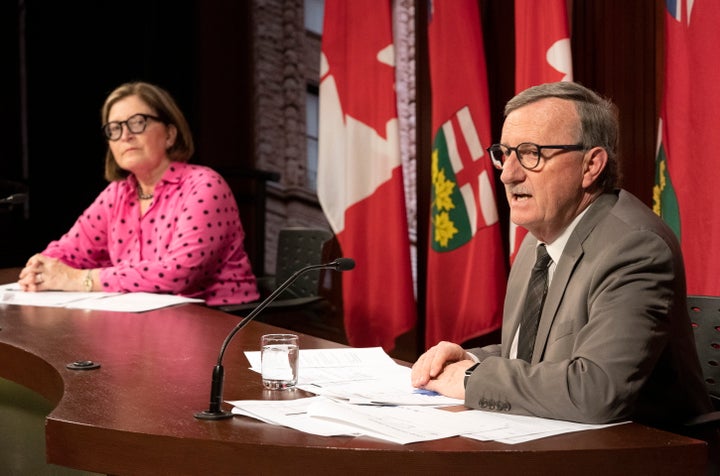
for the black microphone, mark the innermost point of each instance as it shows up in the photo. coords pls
(215, 412)
(14, 199)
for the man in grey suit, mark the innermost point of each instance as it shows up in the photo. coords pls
(614, 340)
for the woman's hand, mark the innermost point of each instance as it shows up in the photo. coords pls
(44, 274)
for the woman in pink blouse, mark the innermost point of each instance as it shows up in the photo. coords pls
(161, 225)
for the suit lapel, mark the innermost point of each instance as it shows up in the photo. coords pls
(571, 256)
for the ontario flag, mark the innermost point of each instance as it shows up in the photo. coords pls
(466, 263)
(360, 181)
(542, 55)
(687, 172)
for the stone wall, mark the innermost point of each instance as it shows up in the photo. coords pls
(287, 62)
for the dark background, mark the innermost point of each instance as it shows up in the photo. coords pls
(61, 59)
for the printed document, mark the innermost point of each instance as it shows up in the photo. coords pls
(362, 391)
(98, 301)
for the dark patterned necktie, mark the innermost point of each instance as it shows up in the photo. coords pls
(537, 289)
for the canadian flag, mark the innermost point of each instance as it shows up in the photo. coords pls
(360, 180)
(542, 55)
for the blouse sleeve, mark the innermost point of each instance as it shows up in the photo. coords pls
(85, 244)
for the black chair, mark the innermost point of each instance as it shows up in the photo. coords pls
(705, 318)
(311, 304)
(249, 187)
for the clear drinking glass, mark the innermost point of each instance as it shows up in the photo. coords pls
(279, 356)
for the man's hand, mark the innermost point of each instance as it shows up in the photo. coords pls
(442, 369)
(451, 381)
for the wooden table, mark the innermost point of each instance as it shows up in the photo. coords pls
(135, 414)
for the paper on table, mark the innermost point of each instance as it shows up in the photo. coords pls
(321, 366)
(391, 387)
(128, 302)
(403, 415)
(342, 357)
(132, 302)
(325, 417)
(513, 429)
(12, 294)
(293, 414)
(399, 424)
(359, 375)
(403, 424)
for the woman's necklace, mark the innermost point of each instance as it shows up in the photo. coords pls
(143, 196)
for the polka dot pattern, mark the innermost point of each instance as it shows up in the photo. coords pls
(189, 242)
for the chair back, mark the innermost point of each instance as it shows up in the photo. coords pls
(705, 318)
(299, 247)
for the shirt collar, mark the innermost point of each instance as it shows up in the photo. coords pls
(172, 174)
(556, 248)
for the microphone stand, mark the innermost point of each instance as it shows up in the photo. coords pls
(215, 412)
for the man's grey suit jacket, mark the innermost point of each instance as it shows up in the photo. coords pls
(614, 340)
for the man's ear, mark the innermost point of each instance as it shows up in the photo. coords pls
(594, 163)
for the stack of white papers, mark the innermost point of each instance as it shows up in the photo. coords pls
(359, 376)
(365, 392)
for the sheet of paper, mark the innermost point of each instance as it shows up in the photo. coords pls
(513, 429)
(126, 302)
(343, 357)
(293, 414)
(398, 424)
(325, 417)
(402, 424)
(12, 294)
(342, 365)
(390, 387)
(359, 375)
(132, 302)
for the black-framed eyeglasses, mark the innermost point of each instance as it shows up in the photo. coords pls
(135, 124)
(528, 153)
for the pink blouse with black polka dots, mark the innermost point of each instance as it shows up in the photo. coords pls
(189, 242)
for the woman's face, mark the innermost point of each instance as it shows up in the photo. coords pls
(143, 152)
